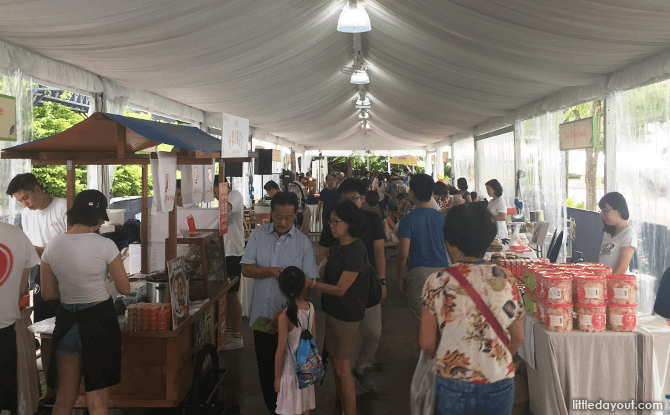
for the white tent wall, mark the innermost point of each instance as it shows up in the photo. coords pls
(15, 83)
(640, 127)
(463, 163)
(543, 163)
(494, 158)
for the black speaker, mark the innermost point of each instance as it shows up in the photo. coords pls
(233, 169)
(263, 164)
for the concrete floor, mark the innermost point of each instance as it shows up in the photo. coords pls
(392, 373)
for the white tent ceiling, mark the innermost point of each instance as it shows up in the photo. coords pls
(438, 67)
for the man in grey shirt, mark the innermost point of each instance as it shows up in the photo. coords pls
(270, 249)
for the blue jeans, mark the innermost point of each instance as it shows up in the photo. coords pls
(71, 343)
(455, 397)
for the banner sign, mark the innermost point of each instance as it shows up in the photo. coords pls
(209, 171)
(577, 134)
(223, 208)
(234, 137)
(7, 118)
(163, 171)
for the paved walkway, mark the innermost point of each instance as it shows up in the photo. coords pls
(392, 373)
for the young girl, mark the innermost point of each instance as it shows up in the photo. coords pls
(290, 399)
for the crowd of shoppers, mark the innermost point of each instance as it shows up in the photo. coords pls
(443, 233)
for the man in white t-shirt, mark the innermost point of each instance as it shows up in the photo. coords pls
(43, 218)
(234, 243)
(17, 256)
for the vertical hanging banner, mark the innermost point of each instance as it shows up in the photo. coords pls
(234, 137)
(8, 118)
(223, 208)
(187, 185)
(164, 181)
(209, 172)
(198, 183)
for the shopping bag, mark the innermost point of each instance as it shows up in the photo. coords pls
(422, 390)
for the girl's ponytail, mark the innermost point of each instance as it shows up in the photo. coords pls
(292, 310)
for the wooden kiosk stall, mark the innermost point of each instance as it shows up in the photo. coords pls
(158, 367)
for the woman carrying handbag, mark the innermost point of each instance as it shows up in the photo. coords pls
(471, 320)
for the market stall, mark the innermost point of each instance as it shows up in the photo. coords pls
(156, 355)
(585, 341)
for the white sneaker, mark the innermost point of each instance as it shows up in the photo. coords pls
(233, 343)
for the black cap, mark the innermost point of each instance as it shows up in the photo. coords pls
(92, 198)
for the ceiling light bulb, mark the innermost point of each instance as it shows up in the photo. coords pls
(353, 19)
(365, 125)
(360, 77)
(363, 103)
(363, 116)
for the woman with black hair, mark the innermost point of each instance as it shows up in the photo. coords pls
(472, 344)
(345, 289)
(298, 315)
(87, 340)
(462, 184)
(620, 240)
(497, 206)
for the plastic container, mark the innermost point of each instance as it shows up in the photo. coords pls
(528, 299)
(557, 288)
(591, 317)
(558, 317)
(116, 216)
(622, 289)
(599, 270)
(590, 289)
(621, 317)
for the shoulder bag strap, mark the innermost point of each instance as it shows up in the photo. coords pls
(486, 312)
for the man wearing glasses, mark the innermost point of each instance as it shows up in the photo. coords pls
(270, 249)
(370, 329)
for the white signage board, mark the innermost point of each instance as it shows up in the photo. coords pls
(234, 137)
(577, 134)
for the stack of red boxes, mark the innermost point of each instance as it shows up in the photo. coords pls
(144, 317)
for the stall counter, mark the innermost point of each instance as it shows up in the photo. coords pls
(157, 366)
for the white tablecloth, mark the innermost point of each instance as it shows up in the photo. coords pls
(614, 367)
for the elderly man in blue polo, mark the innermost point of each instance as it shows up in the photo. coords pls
(270, 249)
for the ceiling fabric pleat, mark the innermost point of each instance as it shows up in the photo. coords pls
(439, 70)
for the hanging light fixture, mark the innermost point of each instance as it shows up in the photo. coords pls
(363, 103)
(353, 19)
(360, 77)
(363, 115)
(365, 125)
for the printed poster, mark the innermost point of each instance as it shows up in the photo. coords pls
(179, 295)
(8, 118)
(234, 137)
(223, 208)
(165, 181)
(209, 172)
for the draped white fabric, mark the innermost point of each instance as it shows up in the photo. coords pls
(641, 129)
(437, 68)
(18, 85)
(463, 162)
(543, 186)
(495, 160)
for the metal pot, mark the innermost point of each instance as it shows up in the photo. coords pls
(158, 287)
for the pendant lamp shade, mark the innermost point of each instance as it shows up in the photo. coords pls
(353, 19)
(363, 103)
(360, 77)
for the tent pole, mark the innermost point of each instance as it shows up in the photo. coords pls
(71, 188)
(145, 218)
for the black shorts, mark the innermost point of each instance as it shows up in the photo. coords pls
(234, 269)
(8, 385)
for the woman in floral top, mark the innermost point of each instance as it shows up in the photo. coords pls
(475, 373)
